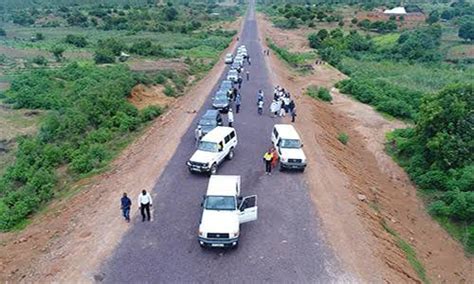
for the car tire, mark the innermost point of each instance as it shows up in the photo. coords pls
(281, 168)
(302, 170)
(230, 156)
(213, 170)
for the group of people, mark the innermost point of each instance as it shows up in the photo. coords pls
(144, 203)
(282, 103)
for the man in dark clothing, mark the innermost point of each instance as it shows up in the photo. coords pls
(239, 81)
(293, 114)
(267, 158)
(291, 106)
(248, 60)
(126, 204)
(238, 101)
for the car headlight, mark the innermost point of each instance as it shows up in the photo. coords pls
(235, 235)
(201, 233)
(283, 159)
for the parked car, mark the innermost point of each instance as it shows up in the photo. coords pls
(210, 120)
(226, 86)
(236, 66)
(213, 149)
(223, 210)
(229, 58)
(220, 101)
(233, 75)
(289, 147)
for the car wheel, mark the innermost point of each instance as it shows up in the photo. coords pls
(213, 170)
(281, 168)
(230, 156)
(302, 170)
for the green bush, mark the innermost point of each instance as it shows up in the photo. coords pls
(3, 32)
(169, 91)
(343, 138)
(150, 113)
(104, 56)
(40, 60)
(320, 93)
(76, 40)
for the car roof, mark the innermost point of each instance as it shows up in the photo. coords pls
(229, 82)
(232, 71)
(220, 93)
(211, 113)
(217, 134)
(287, 131)
(229, 54)
(221, 185)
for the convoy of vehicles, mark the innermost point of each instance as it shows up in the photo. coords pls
(213, 149)
(223, 210)
(289, 147)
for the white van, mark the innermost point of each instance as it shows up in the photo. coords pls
(213, 148)
(223, 212)
(288, 144)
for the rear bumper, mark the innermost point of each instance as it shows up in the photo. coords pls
(218, 242)
(295, 166)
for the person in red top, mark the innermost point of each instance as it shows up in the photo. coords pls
(275, 157)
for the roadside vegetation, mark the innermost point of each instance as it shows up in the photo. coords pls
(73, 64)
(417, 67)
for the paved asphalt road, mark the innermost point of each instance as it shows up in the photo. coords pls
(283, 245)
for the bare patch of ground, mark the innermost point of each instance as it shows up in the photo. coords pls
(74, 235)
(145, 65)
(143, 96)
(356, 187)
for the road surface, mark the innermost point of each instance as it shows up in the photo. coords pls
(284, 245)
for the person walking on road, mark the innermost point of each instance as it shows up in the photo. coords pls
(238, 101)
(239, 81)
(293, 114)
(198, 135)
(145, 202)
(230, 117)
(248, 74)
(248, 60)
(126, 203)
(260, 107)
(267, 158)
(275, 157)
(260, 96)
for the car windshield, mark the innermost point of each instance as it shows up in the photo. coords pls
(220, 203)
(233, 73)
(207, 122)
(226, 84)
(290, 143)
(221, 99)
(207, 146)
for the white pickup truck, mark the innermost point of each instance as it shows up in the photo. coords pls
(223, 212)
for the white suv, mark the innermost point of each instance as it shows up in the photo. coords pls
(229, 58)
(288, 144)
(214, 148)
(223, 212)
(233, 75)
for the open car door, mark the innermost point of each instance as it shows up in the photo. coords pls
(248, 209)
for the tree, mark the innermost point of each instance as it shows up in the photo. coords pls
(39, 36)
(3, 32)
(76, 40)
(466, 30)
(58, 51)
(433, 17)
(171, 13)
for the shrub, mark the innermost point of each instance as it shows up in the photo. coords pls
(150, 113)
(3, 32)
(76, 40)
(320, 93)
(169, 91)
(343, 138)
(104, 56)
(39, 36)
(58, 51)
(40, 60)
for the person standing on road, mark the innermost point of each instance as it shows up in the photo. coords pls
(248, 60)
(230, 117)
(267, 158)
(239, 81)
(126, 203)
(248, 74)
(260, 107)
(293, 114)
(275, 157)
(198, 135)
(145, 202)
(237, 103)
(260, 96)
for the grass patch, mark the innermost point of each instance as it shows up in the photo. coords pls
(386, 41)
(409, 252)
(294, 59)
(343, 138)
(319, 93)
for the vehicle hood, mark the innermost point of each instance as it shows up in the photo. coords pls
(223, 221)
(292, 153)
(207, 128)
(202, 156)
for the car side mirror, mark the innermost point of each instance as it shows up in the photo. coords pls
(302, 145)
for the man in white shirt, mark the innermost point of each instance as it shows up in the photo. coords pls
(144, 201)
(230, 117)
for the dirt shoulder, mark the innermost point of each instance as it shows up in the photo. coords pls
(357, 187)
(74, 235)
